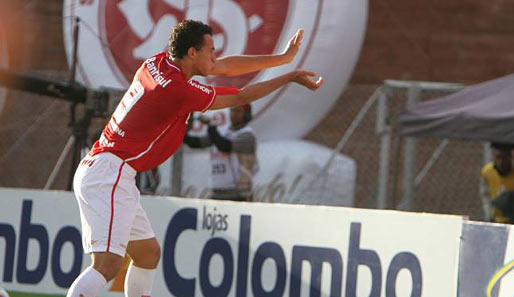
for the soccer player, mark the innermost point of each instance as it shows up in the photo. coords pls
(145, 129)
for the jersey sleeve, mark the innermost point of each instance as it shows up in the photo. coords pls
(226, 91)
(195, 96)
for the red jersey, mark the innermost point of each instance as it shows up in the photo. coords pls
(150, 121)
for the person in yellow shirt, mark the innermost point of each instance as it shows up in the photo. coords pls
(498, 177)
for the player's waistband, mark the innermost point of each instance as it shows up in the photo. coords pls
(111, 158)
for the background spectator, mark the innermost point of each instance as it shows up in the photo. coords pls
(498, 177)
(233, 155)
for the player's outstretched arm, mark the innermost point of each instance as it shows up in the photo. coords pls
(259, 90)
(237, 65)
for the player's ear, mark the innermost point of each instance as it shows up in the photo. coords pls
(191, 52)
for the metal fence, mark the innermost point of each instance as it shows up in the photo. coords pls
(395, 172)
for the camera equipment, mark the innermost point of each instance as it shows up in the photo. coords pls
(94, 101)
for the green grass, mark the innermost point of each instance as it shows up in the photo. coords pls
(21, 294)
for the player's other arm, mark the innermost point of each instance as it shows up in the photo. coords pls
(196, 142)
(237, 65)
(259, 90)
(222, 143)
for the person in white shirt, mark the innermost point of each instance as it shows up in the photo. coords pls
(233, 155)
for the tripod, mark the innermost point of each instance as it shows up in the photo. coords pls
(95, 102)
(77, 143)
(96, 105)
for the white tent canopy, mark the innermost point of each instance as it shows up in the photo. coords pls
(482, 112)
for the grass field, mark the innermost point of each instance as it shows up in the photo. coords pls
(20, 294)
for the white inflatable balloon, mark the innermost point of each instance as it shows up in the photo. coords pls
(288, 173)
(115, 37)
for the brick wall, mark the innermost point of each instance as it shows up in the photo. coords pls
(437, 40)
(441, 40)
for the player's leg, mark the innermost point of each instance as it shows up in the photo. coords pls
(145, 256)
(108, 264)
(103, 188)
(145, 252)
(105, 266)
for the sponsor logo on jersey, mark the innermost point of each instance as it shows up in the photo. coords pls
(200, 87)
(154, 72)
(106, 143)
(116, 129)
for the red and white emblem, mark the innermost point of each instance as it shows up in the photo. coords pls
(117, 35)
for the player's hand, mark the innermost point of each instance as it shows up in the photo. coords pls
(293, 46)
(204, 120)
(305, 78)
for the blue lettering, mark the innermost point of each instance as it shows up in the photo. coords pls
(273, 251)
(410, 262)
(216, 246)
(214, 221)
(7, 232)
(187, 219)
(316, 256)
(38, 233)
(72, 235)
(183, 220)
(358, 256)
(243, 251)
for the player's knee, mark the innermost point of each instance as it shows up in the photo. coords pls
(151, 256)
(108, 266)
(109, 270)
(154, 254)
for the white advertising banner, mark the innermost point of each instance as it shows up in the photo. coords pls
(212, 248)
(116, 36)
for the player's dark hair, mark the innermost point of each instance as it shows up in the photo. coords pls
(186, 34)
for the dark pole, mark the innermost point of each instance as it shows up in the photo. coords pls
(79, 132)
(73, 69)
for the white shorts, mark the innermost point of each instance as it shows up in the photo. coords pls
(110, 210)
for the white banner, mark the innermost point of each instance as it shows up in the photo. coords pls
(215, 248)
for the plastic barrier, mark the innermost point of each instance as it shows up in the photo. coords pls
(486, 260)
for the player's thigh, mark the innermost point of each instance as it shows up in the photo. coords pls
(108, 204)
(141, 227)
(143, 247)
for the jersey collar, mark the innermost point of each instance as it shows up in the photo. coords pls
(175, 66)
